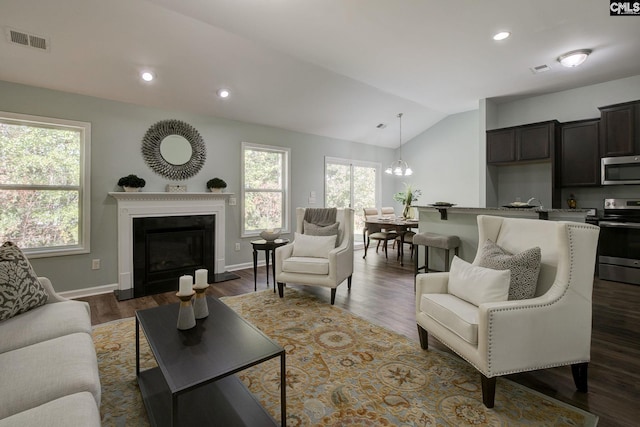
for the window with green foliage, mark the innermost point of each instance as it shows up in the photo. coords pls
(265, 188)
(44, 184)
(354, 184)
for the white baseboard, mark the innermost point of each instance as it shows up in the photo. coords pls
(87, 292)
(104, 289)
(244, 265)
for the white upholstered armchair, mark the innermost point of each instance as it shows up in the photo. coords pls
(329, 269)
(552, 328)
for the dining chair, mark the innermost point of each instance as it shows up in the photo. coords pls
(408, 240)
(376, 232)
(388, 212)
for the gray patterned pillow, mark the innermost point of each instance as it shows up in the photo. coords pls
(524, 267)
(20, 289)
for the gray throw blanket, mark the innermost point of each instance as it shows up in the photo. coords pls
(321, 216)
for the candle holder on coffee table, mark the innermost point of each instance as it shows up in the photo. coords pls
(186, 316)
(200, 307)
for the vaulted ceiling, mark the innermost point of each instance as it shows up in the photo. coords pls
(335, 68)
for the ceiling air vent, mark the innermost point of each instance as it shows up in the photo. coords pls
(540, 69)
(24, 38)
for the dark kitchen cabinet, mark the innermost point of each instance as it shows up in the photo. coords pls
(579, 154)
(620, 129)
(534, 142)
(527, 143)
(501, 147)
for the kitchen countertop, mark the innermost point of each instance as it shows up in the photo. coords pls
(541, 213)
(462, 221)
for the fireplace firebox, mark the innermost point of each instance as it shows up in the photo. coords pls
(167, 247)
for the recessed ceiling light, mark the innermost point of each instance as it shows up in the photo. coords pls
(574, 58)
(223, 93)
(501, 35)
(147, 76)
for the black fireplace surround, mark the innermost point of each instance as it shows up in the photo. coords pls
(167, 247)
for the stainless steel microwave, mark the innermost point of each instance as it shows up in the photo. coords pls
(620, 170)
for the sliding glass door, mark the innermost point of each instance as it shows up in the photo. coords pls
(351, 183)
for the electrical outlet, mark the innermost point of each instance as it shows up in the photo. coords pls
(232, 201)
(95, 264)
(237, 246)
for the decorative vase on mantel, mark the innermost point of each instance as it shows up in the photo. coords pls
(131, 189)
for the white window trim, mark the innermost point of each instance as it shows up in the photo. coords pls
(84, 243)
(287, 185)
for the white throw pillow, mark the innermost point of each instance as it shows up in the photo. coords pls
(305, 245)
(478, 285)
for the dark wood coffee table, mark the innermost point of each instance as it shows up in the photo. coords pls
(194, 384)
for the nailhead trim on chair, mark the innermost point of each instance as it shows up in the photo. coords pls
(513, 371)
(570, 229)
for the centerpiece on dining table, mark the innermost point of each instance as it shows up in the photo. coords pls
(406, 197)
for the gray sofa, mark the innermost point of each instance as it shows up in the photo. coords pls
(48, 366)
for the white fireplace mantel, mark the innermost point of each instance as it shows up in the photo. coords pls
(132, 205)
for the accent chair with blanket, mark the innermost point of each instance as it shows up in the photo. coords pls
(523, 304)
(321, 253)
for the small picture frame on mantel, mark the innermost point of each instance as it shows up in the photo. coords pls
(176, 188)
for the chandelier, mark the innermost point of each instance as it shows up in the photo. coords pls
(399, 167)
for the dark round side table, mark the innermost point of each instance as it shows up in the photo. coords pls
(266, 246)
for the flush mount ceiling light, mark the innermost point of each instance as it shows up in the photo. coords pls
(399, 167)
(574, 58)
(501, 35)
(223, 93)
(147, 76)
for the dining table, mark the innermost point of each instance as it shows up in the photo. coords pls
(398, 224)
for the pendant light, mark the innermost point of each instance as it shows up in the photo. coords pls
(399, 167)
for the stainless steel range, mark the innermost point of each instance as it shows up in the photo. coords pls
(619, 246)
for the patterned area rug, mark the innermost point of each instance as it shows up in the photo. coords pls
(341, 370)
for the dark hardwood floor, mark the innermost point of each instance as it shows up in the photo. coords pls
(382, 292)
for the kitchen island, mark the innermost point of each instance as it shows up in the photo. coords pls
(462, 222)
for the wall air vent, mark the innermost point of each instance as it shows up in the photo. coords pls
(24, 38)
(540, 69)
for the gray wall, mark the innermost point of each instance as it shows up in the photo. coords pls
(568, 105)
(117, 131)
(445, 161)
